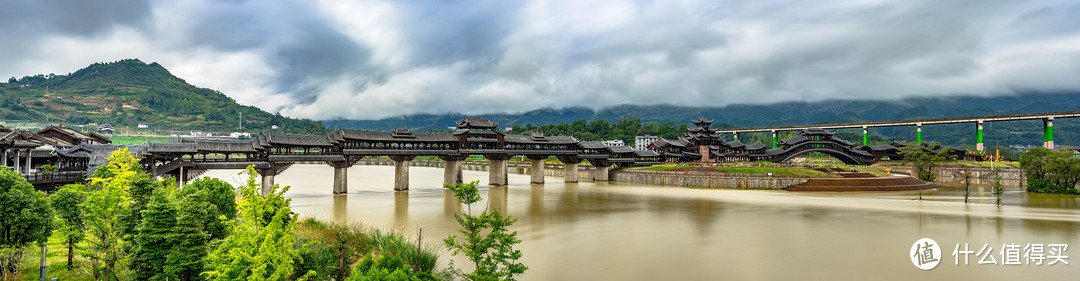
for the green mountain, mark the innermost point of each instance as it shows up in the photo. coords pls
(1066, 131)
(129, 92)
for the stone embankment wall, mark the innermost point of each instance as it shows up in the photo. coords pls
(979, 175)
(699, 179)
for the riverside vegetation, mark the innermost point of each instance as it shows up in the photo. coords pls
(1051, 171)
(125, 225)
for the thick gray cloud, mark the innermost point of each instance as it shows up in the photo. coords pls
(379, 58)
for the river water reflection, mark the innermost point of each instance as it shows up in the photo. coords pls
(618, 231)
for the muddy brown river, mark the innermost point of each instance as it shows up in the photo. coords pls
(621, 231)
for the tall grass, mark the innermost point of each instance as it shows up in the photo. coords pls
(341, 246)
(420, 256)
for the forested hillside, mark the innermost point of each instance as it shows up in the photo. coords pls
(1066, 131)
(129, 92)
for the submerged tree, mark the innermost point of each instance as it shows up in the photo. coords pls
(924, 157)
(260, 245)
(1051, 171)
(999, 188)
(487, 241)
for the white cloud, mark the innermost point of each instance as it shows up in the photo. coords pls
(377, 58)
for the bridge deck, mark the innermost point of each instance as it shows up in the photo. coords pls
(994, 118)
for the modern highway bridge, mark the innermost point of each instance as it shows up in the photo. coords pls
(1047, 118)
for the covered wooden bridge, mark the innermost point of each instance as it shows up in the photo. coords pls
(273, 153)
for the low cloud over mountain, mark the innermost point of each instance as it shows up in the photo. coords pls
(373, 58)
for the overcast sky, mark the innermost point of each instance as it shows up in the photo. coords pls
(328, 59)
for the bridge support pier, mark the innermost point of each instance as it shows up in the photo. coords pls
(452, 172)
(775, 139)
(918, 133)
(571, 173)
(866, 136)
(602, 173)
(497, 171)
(979, 137)
(401, 172)
(267, 183)
(268, 176)
(341, 180)
(1048, 133)
(536, 171)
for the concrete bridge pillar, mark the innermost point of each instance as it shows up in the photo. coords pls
(452, 172)
(268, 176)
(536, 171)
(571, 173)
(497, 171)
(1048, 133)
(401, 172)
(602, 173)
(775, 139)
(979, 137)
(341, 180)
(866, 135)
(267, 183)
(918, 133)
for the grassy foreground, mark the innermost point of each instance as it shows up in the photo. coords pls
(339, 247)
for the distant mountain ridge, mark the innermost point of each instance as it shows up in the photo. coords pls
(803, 113)
(130, 92)
(790, 113)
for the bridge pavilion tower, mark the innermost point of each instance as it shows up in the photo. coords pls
(480, 136)
(702, 137)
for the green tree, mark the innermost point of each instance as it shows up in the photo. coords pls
(151, 244)
(387, 268)
(487, 240)
(189, 237)
(1050, 171)
(140, 192)
(997, 188)
(924, 158)
(25, 218)
(260, 241)
(103, 207)
(222, 202)
(72, 220)
(1034, 162)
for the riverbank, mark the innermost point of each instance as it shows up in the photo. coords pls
(890, 183)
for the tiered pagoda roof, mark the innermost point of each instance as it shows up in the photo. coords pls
(477, 123)
(396, 136)
(538, 138)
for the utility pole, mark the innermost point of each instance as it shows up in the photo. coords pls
(241, 120)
